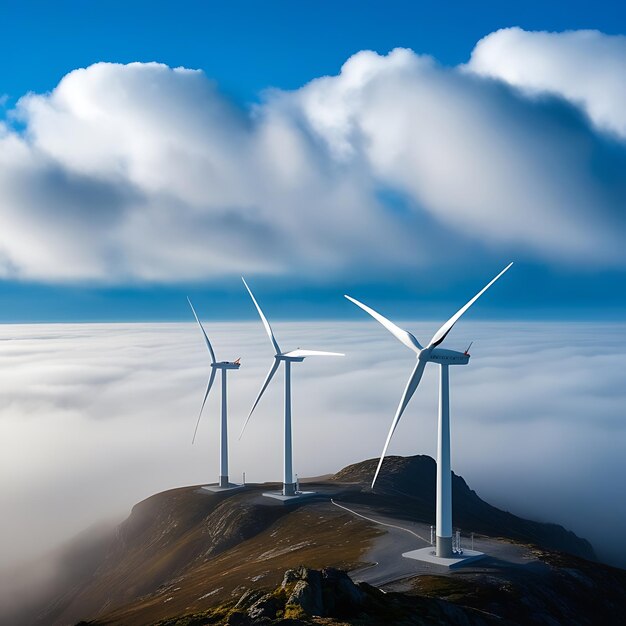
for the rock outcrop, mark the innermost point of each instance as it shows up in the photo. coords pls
(329, 596)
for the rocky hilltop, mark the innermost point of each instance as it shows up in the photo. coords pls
(188, 556)
(330, 597)
(413, 480)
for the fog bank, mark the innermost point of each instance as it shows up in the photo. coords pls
(94, 418)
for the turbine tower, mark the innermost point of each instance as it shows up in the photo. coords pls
(295, 356)
(223, 366)
(445, 358)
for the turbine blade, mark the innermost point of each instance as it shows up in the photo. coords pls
(441, 334)
(268, 378)
(300, 352)
(206, 395)
(411, 386)
(268, 328)
(399, 333)
(206, 339)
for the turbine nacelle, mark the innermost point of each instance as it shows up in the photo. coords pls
(226, 365)
(448, 357)
(298, 355)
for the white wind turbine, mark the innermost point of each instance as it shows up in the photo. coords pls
(444, 358)
(295, 356)
(223, 366)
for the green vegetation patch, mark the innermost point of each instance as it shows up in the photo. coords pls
(216, 615)
(446, 587)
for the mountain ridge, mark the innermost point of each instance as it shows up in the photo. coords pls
(414, 477)
(186, 549)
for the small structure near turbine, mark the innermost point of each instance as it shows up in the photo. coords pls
(444, 553)
(289, 492)
(223, 366)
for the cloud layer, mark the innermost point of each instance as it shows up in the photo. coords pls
(94, 418)
(144, 172)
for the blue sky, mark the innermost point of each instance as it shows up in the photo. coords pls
(248, 48)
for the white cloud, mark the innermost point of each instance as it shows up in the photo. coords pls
(585, 67)
(480, 159)
(140, 171)
(93, 418)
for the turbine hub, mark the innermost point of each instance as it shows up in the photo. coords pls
(293, 359)
(424, 354)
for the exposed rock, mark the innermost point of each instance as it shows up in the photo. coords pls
(265, 607)
(305, 588)
(326, 593)
(308, 597)
(248, 598)
(330, 597)
(341, 595)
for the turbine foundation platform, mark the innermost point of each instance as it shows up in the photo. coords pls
(429, 555)
(216, 488)
(297, 497)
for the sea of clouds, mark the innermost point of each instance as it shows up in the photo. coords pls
(94, 418)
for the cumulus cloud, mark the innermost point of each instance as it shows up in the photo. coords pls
(94, 418)
(473, 155)
(585, 67)
(144, 172)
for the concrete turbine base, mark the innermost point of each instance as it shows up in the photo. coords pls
(296, 497)
(289, 489)
(429, 555)
(443, 547)
(218, 488)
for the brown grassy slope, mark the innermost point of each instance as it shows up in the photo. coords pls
(163, 535)
(184, 550)
(163, 565)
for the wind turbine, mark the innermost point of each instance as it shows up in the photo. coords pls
(223, 366)
(295, 356)
(445, 358)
